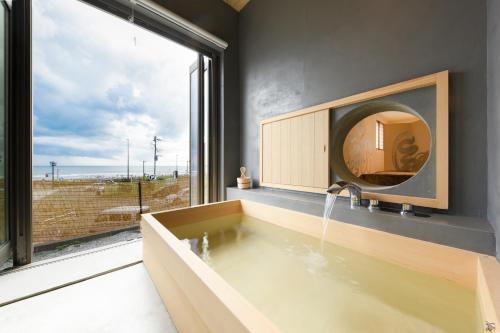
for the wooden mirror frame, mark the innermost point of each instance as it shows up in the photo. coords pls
(440, 81)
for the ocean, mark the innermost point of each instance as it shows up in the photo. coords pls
(86, 171)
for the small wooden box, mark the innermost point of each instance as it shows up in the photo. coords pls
(244, 182)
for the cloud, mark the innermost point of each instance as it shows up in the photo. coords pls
(94, 87)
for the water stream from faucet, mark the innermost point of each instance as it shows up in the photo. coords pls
(327, 212)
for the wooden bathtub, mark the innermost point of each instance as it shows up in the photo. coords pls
(199, 300)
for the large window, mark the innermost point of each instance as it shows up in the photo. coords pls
(121, 122)
(379, 135)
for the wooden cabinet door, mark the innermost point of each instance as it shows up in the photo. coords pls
(295, 152)
(286, 147)
(276, 152)
(266, 153)
(321, 148)
(295, 166)
(306, 150)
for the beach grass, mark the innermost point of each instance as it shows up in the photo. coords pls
(70, 209)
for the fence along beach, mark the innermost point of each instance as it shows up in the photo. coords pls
(88, 200)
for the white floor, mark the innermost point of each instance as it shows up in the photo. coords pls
(53, 273)
(122, 300)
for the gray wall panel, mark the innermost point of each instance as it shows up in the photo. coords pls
(295, 54)
(494, 117)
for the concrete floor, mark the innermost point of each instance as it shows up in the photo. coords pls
(122, 299)
(85, 245)
(43, 253)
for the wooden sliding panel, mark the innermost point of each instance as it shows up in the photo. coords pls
(306, 150)
(295, 166)
(295, 152)
(321, 148)
(266, 152)
(285, 151)
(276, 152)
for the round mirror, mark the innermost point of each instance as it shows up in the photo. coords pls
(387, 148)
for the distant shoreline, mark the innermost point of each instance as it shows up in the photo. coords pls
(74, 172)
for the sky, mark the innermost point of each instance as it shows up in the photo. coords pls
(98, 80)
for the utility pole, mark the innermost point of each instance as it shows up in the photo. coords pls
(155, 156)
(176, 171)
(53, 165)
(143, 170)
(128, 158)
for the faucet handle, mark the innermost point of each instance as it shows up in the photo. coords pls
(374, 204)
(406, 209)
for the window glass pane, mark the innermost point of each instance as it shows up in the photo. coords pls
(206, 123)
(194, 139)
(103, 89)
(379, 135)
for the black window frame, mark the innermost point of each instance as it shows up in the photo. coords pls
(19, 164)
(6, 248)
(19, 158)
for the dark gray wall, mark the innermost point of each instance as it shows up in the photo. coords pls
(493, 36)
(299, 53)
(221, 20)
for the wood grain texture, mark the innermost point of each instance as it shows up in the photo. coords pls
(276, 152)
(306, 150)
(321, 148)
(237, 4)
(200, 300)
(442, 137)
(295, 165)
(261, 153)
(488, 289)
(285, 151)
(311, 189)
(295, 152)
(183, 314)
(267, 153)
(174, 217)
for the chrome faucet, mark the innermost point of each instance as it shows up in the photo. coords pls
(354, 191)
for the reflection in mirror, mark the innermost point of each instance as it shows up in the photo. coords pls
(387, 148)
